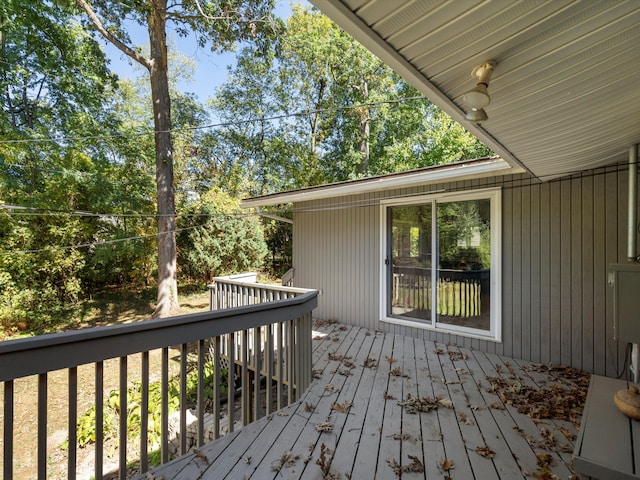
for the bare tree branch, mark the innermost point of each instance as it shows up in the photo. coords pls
(127, 50)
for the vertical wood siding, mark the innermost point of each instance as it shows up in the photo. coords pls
(558, 239)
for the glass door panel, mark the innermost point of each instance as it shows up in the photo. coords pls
(464, 263)
(410, 257)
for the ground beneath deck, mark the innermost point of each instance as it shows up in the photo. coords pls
(388, 406)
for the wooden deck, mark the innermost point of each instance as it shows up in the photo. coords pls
(351, 424)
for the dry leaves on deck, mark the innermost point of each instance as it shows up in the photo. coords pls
(324, 427)
(370, 363)
(486, 452)
(558, 401)
(342, 408)
(288, 459)
(416, 466)
(424, 404)
(397, 372)
(324, 462)
(446, 465)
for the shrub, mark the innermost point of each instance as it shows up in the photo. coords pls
(217, 237)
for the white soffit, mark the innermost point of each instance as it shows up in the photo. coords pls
(480, 168)
(566, 89)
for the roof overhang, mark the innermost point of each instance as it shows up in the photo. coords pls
(565, 92)
(471, 169)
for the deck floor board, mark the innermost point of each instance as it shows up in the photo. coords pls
(361, 379)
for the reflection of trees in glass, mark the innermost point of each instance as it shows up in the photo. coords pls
(464, 234)
(411, 235)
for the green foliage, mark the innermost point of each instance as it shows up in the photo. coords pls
(218, 238)
(354, 118)
(111, 408)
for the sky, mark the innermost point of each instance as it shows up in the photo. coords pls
(211, 68)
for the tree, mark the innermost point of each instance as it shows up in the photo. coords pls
(220, 23)
(337, 113)
(54, 85)
(219, 238)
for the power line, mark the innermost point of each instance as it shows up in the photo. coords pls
(37, 212)
(212, 125)
(97, 243)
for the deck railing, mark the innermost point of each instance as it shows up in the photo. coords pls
(267, 332)
(459, 292)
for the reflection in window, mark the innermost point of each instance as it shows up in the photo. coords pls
(456, 235)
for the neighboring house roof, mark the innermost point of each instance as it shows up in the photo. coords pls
(565, 93)
(465, 170)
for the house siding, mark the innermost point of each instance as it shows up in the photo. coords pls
(558, 239)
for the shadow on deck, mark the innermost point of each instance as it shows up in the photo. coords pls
(388, 406)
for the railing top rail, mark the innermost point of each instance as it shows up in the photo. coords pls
(276, 288)
(44, 353)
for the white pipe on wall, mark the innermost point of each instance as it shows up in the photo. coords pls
(632, 225)
(632, 241)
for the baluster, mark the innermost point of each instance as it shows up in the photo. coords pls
(122, 450)
(268, 358)
(201, 399)
(99, 419)
(257, 352)
(144, 412)
(42, 425)
(280, 364)
(73, 423)
(216, 387)
(7, 467)
(290, 370)
(164, 407)
(230, 382)
(183, 398)
(246, 384)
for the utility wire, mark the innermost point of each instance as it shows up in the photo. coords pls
(212, 125)
(37, 212)
(507, 185)
(97, 243)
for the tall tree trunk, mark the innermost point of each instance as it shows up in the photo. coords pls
(158, 71)
(167, 282)
(365, 127)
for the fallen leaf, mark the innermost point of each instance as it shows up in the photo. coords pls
(485, 452)
(324, 427)
(288, 459)
(397, 372)
(342, 408)
(465, 419)
(370, 363)
(446, 465)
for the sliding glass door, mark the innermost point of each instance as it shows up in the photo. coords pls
(440, 263)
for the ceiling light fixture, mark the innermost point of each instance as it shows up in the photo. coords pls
(477, 98)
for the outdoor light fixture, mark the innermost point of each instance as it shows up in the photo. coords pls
(477, 98)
